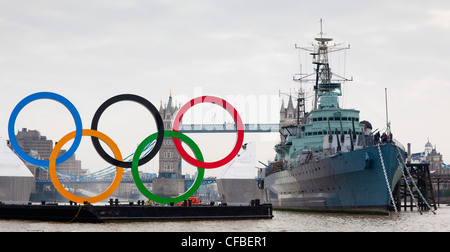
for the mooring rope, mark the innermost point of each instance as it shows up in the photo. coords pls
(79, 210)
(387, 180)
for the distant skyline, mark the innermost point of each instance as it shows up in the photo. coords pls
(89, 51)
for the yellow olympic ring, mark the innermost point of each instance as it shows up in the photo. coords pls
(57, 183)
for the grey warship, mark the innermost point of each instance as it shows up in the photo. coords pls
(328, 159)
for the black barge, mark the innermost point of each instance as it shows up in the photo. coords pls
(131, 212)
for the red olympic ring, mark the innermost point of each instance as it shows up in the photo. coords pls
(237, 119)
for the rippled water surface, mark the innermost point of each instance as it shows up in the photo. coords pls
(282, 222)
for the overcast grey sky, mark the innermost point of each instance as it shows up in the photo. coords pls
(89, 51)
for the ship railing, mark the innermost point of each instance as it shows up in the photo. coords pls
(370, 141)
(398, 144)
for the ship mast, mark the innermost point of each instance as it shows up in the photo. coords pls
(320, 59)
(323, 73)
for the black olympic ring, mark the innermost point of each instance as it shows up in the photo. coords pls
(150, 107)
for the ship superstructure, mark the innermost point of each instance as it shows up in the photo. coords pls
(327, 158)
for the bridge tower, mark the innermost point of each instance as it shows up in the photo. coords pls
(170, 181)
(169, 158)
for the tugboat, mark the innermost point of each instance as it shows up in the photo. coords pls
(329, 160)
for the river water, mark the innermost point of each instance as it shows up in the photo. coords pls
(282, 222)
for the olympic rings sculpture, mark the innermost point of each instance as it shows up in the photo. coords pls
(95, 135)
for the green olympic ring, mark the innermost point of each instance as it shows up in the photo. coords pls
(145, 191)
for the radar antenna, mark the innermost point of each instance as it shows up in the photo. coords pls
(323, 73)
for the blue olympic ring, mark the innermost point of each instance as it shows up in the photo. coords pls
(51, 96)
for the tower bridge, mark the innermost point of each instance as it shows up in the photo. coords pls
(105, 175)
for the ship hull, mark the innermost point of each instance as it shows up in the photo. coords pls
(346, 181)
